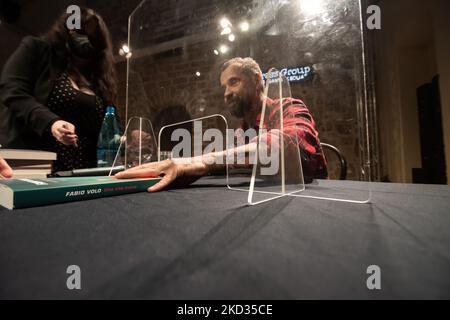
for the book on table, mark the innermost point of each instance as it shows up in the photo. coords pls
(29, 155)
(23, 193)
(30, 164)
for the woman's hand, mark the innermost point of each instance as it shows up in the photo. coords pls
(64, 132)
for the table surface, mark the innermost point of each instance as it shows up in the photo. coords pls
(204, 242)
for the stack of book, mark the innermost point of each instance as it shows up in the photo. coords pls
(29, 164)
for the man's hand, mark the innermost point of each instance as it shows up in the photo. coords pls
(169, 170)
(64, 132)
(5, 169)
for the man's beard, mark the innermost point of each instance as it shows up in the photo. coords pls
(238, 105)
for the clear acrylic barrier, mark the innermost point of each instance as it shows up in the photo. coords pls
(241, 158)
(178, 48)
(277, 170)
(137, 145)
(195, 138)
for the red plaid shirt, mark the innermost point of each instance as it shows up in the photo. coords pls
(298, 122)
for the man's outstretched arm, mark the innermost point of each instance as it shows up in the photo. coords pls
(183, 171)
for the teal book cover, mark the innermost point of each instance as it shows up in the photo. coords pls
(24, 193)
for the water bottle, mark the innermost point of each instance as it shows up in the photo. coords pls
(108, 140)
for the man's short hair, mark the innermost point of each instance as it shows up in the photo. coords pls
(249, 66)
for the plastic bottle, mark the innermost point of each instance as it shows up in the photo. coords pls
(109, 139)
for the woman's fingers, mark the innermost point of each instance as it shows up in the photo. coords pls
(69, 139)
(64, 132)
(69, 127)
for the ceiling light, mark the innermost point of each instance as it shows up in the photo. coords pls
(125, 48)
(223, 49)
(226, 30)
(244, 26)
(311, 7)
(224, 23)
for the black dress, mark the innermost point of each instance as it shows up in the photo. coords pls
(86, 113)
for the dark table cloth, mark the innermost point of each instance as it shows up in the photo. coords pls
(204, 242)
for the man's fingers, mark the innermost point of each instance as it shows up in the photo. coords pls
(139, 168)
(155, 166)
(138, 174)
(165, 181)
(166, 169)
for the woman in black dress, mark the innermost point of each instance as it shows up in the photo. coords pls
(54, 91)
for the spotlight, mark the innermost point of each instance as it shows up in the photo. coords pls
(224, 23)
(223, 49)
(125, 48)
(244, 26)
(226, 30)
(311, 7)
(231, 37)
(125, 51)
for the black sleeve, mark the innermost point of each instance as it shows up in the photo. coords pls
(17, 84)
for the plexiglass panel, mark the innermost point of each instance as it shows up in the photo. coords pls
(137, 145)
(277, 170)
(179, 47)
(193, 139)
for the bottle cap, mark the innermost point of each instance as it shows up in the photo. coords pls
(110, 109)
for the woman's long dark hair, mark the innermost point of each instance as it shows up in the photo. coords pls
(102, 69)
